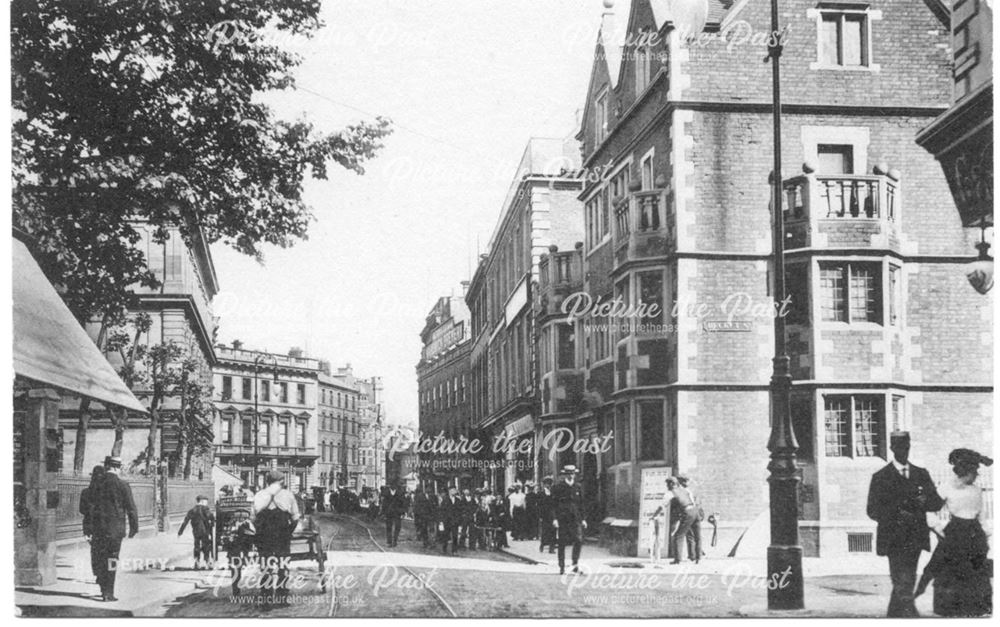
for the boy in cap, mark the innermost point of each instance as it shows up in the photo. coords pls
(202, 522)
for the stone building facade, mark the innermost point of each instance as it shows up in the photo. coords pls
(180, 312)
(266, 415)
(882, 329)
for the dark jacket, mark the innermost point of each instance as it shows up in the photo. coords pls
(483, 518)
(86, 502)
(423, 507)
(451, 512)
(111, 506)
(546, 508)
(395, 505)
(202, 521)
(567, 503)
(895, 504)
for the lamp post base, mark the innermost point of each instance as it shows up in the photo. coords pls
(784, 578)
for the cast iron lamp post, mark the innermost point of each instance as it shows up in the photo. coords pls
(256, 411)
(784, 555)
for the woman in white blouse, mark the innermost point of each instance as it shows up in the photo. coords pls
(960, 567)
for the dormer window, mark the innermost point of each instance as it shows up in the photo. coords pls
(642, 54)
(601, 117)
(844, 36)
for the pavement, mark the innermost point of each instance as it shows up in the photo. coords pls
(842, 587)
(154, 571)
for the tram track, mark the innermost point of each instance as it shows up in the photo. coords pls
(334, 601)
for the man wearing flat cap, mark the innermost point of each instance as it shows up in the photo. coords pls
(567, 503)
(111, 506)
(899, 498)
(276, 513)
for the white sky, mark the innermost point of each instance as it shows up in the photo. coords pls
(466, 84)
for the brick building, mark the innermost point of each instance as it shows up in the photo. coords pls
(541, 209)
(443, 376)
(282, 390)
(880, 323)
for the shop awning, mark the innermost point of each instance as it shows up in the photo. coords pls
(51, 347)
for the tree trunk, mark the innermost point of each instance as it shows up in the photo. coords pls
(154, 425)
(83, 422)
(182, 428)
(118, 421)
(84, 415)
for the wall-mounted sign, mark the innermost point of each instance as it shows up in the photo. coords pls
(728, 326)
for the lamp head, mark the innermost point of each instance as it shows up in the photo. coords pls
(980, 272)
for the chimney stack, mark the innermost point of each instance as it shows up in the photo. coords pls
(237, 345)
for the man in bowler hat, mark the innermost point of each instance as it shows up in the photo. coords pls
(899, 497)
(111, 505)
(567, 503)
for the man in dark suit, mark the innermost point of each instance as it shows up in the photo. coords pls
(450, 512)
(423, 511)
(465, 534)
(111, 506)
(899, 497)
(395, 504)
(567, 502)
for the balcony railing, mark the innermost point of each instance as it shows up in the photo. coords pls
(643, 224)
(842, 209)
(841, 196)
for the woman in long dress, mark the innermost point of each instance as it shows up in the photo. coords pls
(959, 566)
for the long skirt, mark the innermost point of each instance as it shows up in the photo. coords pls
(961, 570)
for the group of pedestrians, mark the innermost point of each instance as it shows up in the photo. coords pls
(551, 512)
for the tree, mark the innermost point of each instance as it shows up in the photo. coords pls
(131, 111)
(192, 438)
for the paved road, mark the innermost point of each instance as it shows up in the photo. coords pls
(412, 581)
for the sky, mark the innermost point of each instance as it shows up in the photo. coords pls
(466, 84)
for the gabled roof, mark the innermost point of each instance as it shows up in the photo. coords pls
(718, 10)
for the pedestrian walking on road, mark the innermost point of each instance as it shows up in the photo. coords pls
(422, 514)
(394, 507)
(276, 513)
(960, 566)
(546, 514)
(568, 521)
(449, 519)
(532, 495)
(111, 508)
(465, 531)
(202, 522)
(899, 497)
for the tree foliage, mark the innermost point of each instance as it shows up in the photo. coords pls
(137, 110)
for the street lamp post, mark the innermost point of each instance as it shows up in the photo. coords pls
(256, 412)
(784, 555)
